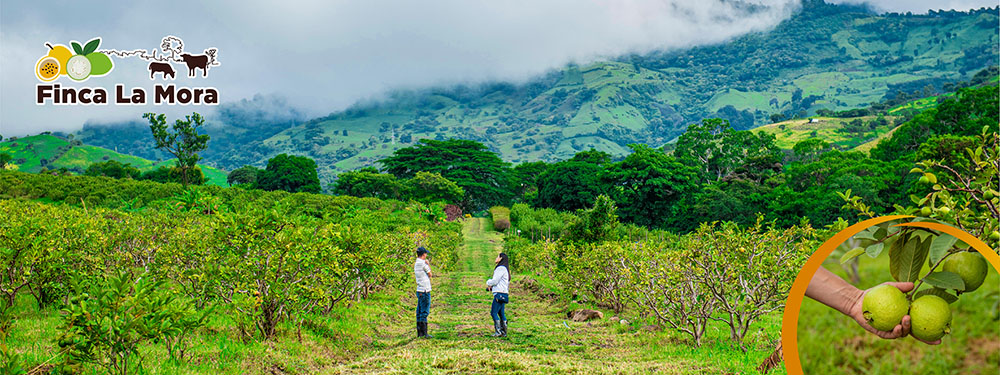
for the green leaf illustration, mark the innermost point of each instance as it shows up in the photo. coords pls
(91, 46)
(77, 48)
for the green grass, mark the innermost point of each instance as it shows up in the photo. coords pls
(831, 343)
(59, 153)
(827, 129)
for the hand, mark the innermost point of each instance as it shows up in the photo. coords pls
(489, 289)
(901, 330)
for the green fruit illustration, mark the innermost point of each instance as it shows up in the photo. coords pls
(78, 68)
(884, 307)
(100, 63)
(971, 267)
(930, 318)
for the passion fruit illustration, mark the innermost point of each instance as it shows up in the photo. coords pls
(61, 53)
(47, 68)
(930, 318)
(970, 266)
(884, 307)
(78, 68)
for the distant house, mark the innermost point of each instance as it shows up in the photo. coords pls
(813, 120)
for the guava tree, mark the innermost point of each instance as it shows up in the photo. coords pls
(183, 143)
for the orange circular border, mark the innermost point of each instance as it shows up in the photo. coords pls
(790, 321)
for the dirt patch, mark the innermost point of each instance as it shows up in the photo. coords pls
(979, 352)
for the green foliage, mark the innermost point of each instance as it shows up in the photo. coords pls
(5, 159)
(289, 173)
(106, 322)
(479, 172)
(245, 175)
(113, 169)
(596, 224)
(966, 114)
(183, 143)
(572, 184)
(501, 218)
(719, 151)
(427, 187)
(367, 182)
(648, 183)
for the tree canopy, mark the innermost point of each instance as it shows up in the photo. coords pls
(290, 173)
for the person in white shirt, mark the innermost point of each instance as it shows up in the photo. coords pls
(499, 286)
(422, 272)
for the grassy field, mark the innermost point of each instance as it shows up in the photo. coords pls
(377, 335)
(830, 343)
(788, 133)
(28, 152)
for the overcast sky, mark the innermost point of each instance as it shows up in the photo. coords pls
(326, 55)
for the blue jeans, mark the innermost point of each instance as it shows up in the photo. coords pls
(423, 306)
(496, 310)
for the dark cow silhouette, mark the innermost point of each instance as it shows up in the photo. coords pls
(196, 61)
(159, 67)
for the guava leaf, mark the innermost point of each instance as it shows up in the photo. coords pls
(940, 247)
(77, 48)
(91, 46)
(945, 280)
(866, 234)
(851, 254)
(906, 256)
(876, 249)
(948, 297)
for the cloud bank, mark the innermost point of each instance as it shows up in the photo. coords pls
(325, 55)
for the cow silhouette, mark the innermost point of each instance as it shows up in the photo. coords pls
(159, 67)
(196, 61)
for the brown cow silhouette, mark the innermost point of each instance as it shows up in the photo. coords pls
(196, 61)
(159, 67)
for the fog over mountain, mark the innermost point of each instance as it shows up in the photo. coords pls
(325, 55)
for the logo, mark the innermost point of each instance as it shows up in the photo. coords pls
(87, 60)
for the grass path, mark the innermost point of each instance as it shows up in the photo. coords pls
(540, 340)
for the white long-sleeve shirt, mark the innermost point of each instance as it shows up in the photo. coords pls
(500, 280)
(422, 271)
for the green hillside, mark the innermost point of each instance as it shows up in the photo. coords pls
(837, 131)
(33, 153)
(824, 57)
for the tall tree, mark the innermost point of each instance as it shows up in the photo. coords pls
(183, 143)
(573, 184)
(648, 183)
(478, 171)
(430, 187)
(245, 175)
(368, 182)
(290, 173)
(718, 150)
(4, 160)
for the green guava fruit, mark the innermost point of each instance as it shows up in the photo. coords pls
(926, 211)
(100, 63)
(78, 68)
(971, 267)
(930, 318)
(884, 307)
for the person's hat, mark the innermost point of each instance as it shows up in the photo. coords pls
(421, 251)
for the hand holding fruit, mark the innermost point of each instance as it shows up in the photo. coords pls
(884, 311)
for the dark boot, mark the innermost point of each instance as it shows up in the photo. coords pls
(420, 329)
(503, 329)
(426, 335)
(498, 329)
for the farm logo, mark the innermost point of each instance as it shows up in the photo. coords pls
(86, 61)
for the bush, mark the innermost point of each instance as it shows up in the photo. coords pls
(501, 218)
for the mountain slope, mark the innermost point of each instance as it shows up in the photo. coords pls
(825, 56)
(33, 153)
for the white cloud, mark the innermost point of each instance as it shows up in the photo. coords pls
(325, 55)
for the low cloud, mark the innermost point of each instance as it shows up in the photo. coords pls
(325, 55)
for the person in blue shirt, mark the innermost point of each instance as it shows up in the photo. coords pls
(499, 286)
